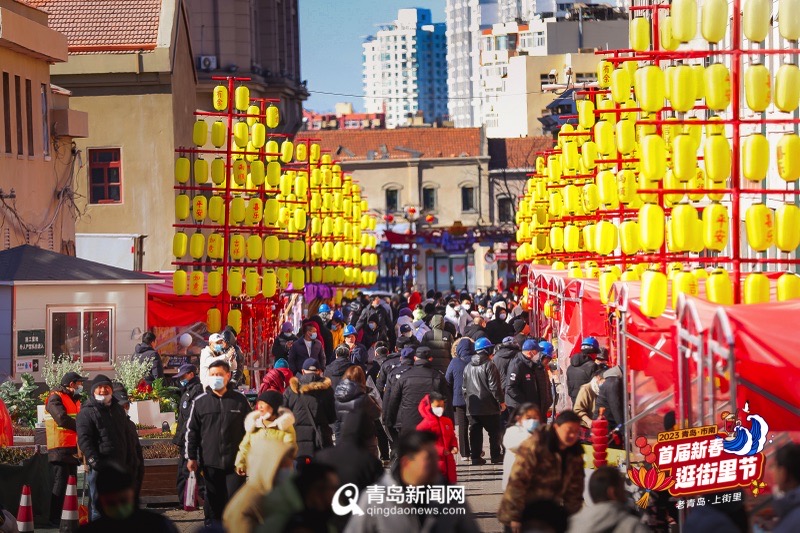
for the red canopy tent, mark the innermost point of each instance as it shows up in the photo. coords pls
(166, 309)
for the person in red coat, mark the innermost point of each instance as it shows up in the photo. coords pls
(277, 378)
(432, 410)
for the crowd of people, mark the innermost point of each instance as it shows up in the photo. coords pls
(376, 392)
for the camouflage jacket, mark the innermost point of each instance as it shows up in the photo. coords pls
(539, 474)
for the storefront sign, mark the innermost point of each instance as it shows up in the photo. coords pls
(30, 342)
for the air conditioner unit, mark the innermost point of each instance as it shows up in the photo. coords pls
(207, 62)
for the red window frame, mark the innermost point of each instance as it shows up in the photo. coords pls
(105, 159)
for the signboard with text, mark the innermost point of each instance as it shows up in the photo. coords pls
(30, 342)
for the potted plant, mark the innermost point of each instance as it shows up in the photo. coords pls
(53, 370)
(166, 397)
(160, 471)
(144, 409)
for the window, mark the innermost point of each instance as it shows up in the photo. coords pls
(105, 185)
(7, 111)
(428, 198)
(45, 122)
(538, 38)
(18, 102)
(83, 333)
(505, 209)
(392, 200)
(29, 115)
(467, 198)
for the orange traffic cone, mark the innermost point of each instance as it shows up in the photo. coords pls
(69, 515)
(25, 512)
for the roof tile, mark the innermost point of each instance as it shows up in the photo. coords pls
(517, 153)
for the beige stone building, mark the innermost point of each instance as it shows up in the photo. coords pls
(38, 166)
(438, 172)
(131, 65)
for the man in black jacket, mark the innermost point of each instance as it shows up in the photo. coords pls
(526, 380)
(521, 330)
(391, 369)
(483, 393)
(582, 366)
(498, 329)
(310, 398)
(325, 333)
(338, 366)
(284, 341)
(377, 314)
(503, 355)
(308, 346)
(146, 351)
(136, 459)
(191, 388)
(103, 436)
(216, 427)
(411, 386)
(440, 343)
(476, 330)
(610, 397)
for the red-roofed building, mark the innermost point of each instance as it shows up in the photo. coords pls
(131, 65)
(343, 119)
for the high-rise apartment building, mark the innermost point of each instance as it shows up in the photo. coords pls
(405, 69)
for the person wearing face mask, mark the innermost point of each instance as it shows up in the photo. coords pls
(526, 381)
(103, 438)
(215, 351)
(270, 421)
(464, 316)
(117, 506)
(283, 342)
(432, 410)
(191, 388)
(337, 329)
(525, 421)
(405, 317)
(62, 408)
(216, 427)
(587, 398)
(305, 348)
(322, 319)
(498, 329)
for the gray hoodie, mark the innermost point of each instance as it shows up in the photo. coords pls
(602, 517)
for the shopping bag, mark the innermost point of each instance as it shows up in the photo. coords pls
(190, 493)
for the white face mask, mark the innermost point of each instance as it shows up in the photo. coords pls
(103, 398)
(595, 386)
(437, 411)
(217, 382)
(466, 306)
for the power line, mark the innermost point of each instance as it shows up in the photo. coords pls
(330, 93)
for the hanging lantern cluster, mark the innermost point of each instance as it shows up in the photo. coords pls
(260, 214)
(646, 179)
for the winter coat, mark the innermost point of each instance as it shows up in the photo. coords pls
(607, 517)
(353, 398)
(412, 385)
(208, 356)
(513, 437)
(542, 472)
(482, 388)
(337, 336)
(56, 409)
(103, 433)
(420, 329)
(336, 370)
(192, 390)
(276, 379)
(788, 511)
(379, 315)
(389, 364)
(455, 370)
(474, 332)
(243, 512)
(280, 348)
(280, 505)
(310, 398)
(325, 336)
(522, 384)
(350, 457)
(135, 460)
(579, 373)
(407, 342)
(497, 330)
(451, 317)
(584, 404)
(391, 379)
(145, 352)
(610, 397)
(298, 353)
(258, 431)
(446, 441)
(360, 355)
(389, 519)
(400, 322)
(440, 343)
(503, 355)
(216, 427)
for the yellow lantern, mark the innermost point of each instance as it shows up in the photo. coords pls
(218, 171)
(788, 156)
(717, 79)
(182, 168)
(589, 237)
(214, 283)
(271, 149)
(237, 246)
(273, 173)
(787, 227)
(298, 250)
(586, 117)
(698, 72)
(684, 158)
(714, 20)
(666, 38)
(603, 137)
(572, 201)
(199, 208)
(271, 211)
(591, 198)
(269, 283)
(683, 14)
(556, 204)
(241, 134)
(639, 34)
(620, 85)
(196, 282)
(788, 287)
(298, 279)
(626, 182)
(607, 187)
(717, 158)
(239, 171)
(254, 247)
(557, 238)
(179, 281)
(756, 22)
(182, 206)
(757, 87)
(241, 98)
(572, 238)
(684, 223)
(252, 282)
(179, 243)
(200, 132)
(287, 149)
(197, 245)
(253, 111)
(671, 182)
(787, 87)
(220, 98)
(759, 225)
(697, 182)
(756, 288)
(219, 133)
(683, 283)
(216, 246)
(234, 282)
(605, 238)
(588, 155)
(200, 170)
(235, 319)
(237, 210)
(258, 133)
(682, 88)
(214, 319)
(654, 293)
(649, 88)
(710, 184)
(284, 249)
(574, 271)
(604, 70)
(301, 152)
(607, 279)
(755, 157)
(651, 227)
(630, 274)
(629, 237)
(716, 225)
(653, 158)
(273, 117)
(626, 136)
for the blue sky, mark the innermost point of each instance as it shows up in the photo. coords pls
(331, 33)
